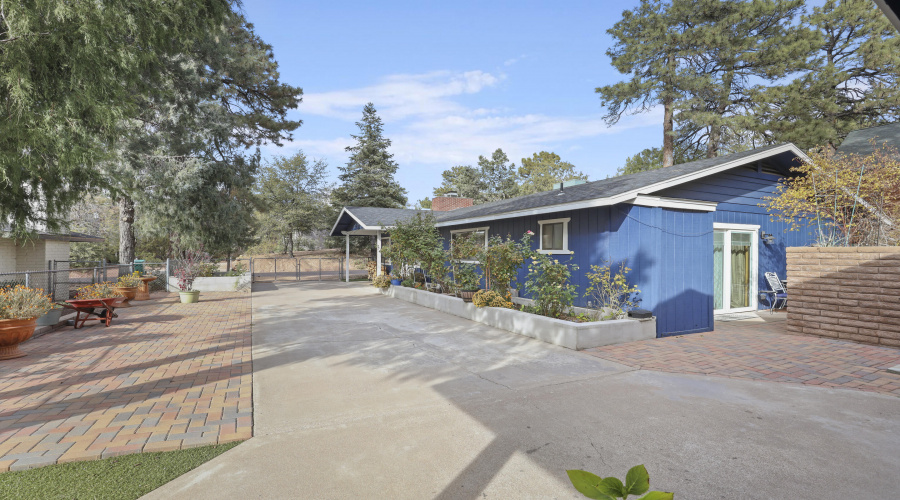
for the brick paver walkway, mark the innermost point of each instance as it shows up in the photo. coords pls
(164, 376)
(764, 351)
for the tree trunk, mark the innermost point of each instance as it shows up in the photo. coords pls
(228, 262)
(668, 121)
(126, 230)
(712, 142)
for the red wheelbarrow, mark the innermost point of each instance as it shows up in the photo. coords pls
(93, 310)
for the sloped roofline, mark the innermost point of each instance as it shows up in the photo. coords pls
(634, 193)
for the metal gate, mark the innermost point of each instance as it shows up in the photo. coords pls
(297, 268)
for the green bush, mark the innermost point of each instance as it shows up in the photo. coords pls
(548, 285)
(381, 281)
(637, 482)
(610, 293)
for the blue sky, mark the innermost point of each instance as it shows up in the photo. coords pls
(454, 80)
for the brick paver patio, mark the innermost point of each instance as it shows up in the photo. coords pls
(765, 351)
(164, 376)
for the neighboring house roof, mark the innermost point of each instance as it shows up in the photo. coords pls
(859, 142)
(633, 188)
(70, 236)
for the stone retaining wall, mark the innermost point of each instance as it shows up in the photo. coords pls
(848, 293)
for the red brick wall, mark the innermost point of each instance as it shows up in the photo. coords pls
(848, 293)
(447, 203)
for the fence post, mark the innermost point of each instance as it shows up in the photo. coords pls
(103, 264)
(275, 280)
(252, 277)
(167, 274)
(320, 268)
(27, 280)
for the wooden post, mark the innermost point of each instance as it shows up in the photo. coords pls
(347, 260)
(378, 254)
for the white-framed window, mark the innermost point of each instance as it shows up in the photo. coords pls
(554, 236)
(480, 232)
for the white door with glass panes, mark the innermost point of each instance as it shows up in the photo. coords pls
(735, 257)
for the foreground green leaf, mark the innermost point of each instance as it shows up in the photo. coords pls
(637, 481)
(586, 484)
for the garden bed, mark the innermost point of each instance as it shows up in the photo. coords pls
(238, 283)
(554, 331)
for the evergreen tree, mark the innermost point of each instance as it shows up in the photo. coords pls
(651, 46)
(652, 159)
(189, 160)
(853, 80)
(736, 45)
(367, 180)
(499, 177)
(465, 180)
(543, 170)
(71, 74)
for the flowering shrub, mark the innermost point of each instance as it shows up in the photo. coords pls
(129, 280)
(20, 302)
(502, 259)
(611, 292)
(381, 281)
(189, 267)
(549, 287)
(103, 290)
(490, 298)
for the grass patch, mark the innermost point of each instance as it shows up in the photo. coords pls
(125, 477)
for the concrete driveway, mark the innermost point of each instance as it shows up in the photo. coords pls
(357, 395)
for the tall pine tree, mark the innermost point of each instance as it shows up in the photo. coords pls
(853, 80)
(367, 180)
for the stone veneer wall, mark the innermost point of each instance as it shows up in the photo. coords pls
(848, 293)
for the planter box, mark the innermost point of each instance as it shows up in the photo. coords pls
(555, 331)
(216, 283)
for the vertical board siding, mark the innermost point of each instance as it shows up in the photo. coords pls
(741, 196)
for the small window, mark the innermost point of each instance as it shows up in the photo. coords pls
(554, 236)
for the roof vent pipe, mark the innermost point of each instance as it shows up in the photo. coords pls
(561, 189)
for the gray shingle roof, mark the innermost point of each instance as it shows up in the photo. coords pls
(859, 142)
(597, 189)
(377, 216)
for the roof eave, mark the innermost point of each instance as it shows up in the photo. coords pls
(633, 194)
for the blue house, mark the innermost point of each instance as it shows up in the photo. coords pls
(697, 236)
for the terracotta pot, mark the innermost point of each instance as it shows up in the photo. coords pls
(467, 295)
(12, 333)
(126, 291)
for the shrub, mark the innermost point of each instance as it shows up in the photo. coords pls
(611, 292)
(407, 283)
(501, 260)
(20, 302)
(490, 298)
(238, 269)
(381, 281)
(548, 285)
(189, 267)
(102, 290)
(129, 280)
(465, 273)
(637, 482)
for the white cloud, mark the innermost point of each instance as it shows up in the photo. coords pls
(399, 97)
(432, 129)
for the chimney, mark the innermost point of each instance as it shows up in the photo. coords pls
(450, 201)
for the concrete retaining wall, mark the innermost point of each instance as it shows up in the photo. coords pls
(845, 292)
(216, 283)
(555, 331)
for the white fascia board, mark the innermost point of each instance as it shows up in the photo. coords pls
(735, 227)
(343, 211)
(626, 197)
(645, 200)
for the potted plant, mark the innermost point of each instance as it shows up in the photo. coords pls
(188, 268)
(396, 280)
(127, 285)
(19, 309)
(467, 281)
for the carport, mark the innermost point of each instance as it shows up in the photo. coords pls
(369, 221)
